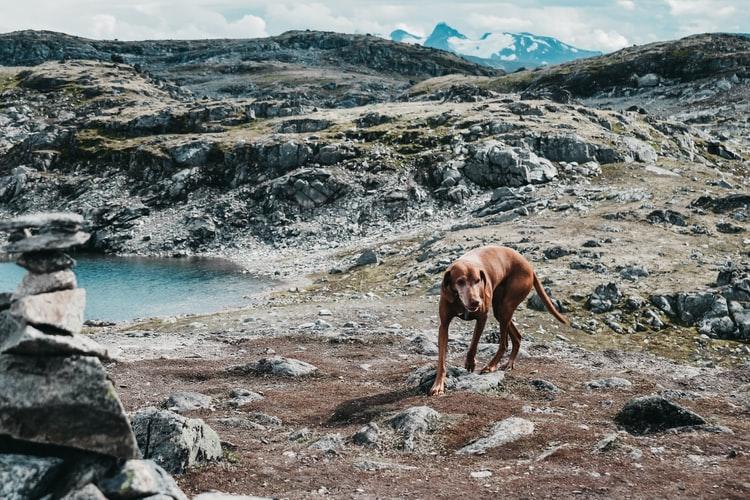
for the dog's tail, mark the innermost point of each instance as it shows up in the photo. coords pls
(548, 303)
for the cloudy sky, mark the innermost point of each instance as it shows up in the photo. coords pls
(592, 24)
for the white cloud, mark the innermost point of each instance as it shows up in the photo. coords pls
(700, 8)
(498, 23)
(608, 40)
(605, 25)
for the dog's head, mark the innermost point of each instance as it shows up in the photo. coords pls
(469, 284)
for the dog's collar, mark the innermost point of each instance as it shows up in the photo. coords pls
(465, 315)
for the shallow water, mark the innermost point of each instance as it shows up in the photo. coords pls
(120, 288)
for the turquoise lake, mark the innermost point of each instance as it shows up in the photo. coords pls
(120, 288)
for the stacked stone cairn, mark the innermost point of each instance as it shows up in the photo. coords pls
(63, 430)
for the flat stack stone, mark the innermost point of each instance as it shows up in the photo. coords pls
(45, 314)
(56, 397)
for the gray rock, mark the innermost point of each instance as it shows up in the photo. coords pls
(186, 401)
(648, 80)
(241, 397)
(634, 272)
(47, 241)
(369, 435)
(665, 304)
(494, 164)
(88, 492)
(544, 386)
(33, 284)
(87, 413)
(457, 379)
(535, 302)
(23, 476)
(607, 443)
(278, 365)
(141, 479)
(329, 443)
(503, 432)
(31, 342)
(556, 252)
(639, 150)
(201, 228)
(412, 423)
(45, 261)
(650, 414)
(49, 220)
(62, 311)
(173, 441)
(263, 419)
(368, 257)
(567, 148)
(604, 298)
(609, 383)
(740, 313)
(300, 434)
(669, 217)
(422, 344)
(240, 423)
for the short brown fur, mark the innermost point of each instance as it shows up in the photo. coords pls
(488, 276)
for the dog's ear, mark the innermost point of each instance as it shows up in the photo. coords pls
(448, 293)
(487, 287)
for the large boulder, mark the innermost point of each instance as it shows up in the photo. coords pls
(494, 164)
(412, 423)
(141, 479)
(187, 401)
(650, 414)
(604, 298)
(503, 432)
(66, 401)
(565, 147)
(457, 379)
(23, 476)
(174, 442)
(278, 365)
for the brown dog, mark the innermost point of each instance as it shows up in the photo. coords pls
(488, 276)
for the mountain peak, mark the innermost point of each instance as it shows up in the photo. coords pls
(507, 51)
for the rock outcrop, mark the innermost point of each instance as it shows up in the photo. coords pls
(57, 400)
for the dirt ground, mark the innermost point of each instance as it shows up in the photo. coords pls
(364, 354)
(363, 379)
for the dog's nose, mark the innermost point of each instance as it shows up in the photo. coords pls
(474, 304)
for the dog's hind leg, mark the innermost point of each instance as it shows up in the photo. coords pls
(471, 354)
(516, 338)
(501, 348)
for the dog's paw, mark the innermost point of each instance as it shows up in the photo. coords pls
(469, 365)
(489, 369)
(437, 390)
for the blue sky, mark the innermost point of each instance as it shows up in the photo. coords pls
(602, 25)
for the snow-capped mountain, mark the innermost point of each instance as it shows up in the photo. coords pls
(508, 51)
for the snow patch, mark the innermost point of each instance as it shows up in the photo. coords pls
(484, 48)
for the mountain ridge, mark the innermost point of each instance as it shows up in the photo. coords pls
(508, 51)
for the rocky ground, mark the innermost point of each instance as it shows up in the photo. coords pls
(631, 204)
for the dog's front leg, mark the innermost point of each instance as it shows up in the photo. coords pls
(471, 354)
(438, 387)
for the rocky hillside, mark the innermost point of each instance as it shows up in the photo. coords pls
(318, 68)
(685, 60)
